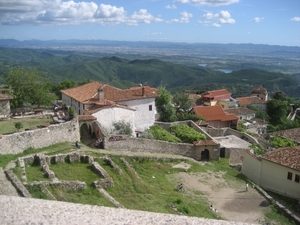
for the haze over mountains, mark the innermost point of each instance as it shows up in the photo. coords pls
(177, 66)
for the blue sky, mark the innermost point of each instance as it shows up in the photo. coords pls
(272, 22)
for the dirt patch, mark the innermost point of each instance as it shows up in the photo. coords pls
(182, 165)
(232, 201)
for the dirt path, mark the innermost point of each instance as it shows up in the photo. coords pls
(232, 201)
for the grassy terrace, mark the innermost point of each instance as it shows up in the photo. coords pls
(8, 126)
(150, 188)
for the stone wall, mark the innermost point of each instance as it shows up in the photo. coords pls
(17, 183)
(242, 135)
(39, 138)
(149, 145)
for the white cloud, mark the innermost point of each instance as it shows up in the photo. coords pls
(68, 12)
(296, 19)
(215, 20)
(184, 18)
(216, 25)
(171, 6)
(142, 16)
(208, 2)
(257, 19)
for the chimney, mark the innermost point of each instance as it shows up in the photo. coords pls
(143, 91)
(100, 94)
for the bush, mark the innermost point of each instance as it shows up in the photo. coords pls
(278, 142)
(18, 125)
(258, 149)
(163, 135)
(122, 127)
(187, 134)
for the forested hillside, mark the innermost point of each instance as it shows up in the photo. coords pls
(123, 72)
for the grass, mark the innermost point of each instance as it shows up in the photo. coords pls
(150, 186)
(63, 147)
(8, 126)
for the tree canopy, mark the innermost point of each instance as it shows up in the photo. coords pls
(28, 87)
(164, 107)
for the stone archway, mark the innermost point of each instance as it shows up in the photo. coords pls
(205, 155)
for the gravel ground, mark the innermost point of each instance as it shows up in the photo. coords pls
(18, 211)
(6, 187)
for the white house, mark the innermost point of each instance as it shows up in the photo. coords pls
(109, 104)
(277, 171)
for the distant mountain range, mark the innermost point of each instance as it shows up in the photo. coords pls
(164, 66)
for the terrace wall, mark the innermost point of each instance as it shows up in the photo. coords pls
(39, 138)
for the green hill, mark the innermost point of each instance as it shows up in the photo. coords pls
(123, 72)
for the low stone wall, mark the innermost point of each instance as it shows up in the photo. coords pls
(17, 183)
(39, 138)
(150, 145)
(111, 163)
(99, 170)
(277, 204)
(242, 135)
(68, 185)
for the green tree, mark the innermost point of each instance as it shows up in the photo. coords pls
(166, 110)
(18, 125)
(65, 84)
(182, 102)
(277, 111)
(28, 87)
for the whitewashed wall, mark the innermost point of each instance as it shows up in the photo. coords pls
(106, 117)
(143, 118)
(274, 178)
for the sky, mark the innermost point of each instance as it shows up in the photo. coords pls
(271, 22)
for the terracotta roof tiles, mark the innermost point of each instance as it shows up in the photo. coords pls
(88, 93)
(288, 156)
(212, 113)
(214, 93)
(240, 111)
(205, 143)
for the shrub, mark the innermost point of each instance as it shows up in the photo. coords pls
(278, 142)
(163, 135)
(187, 134)
(122, 127)
(18, 125)
(258, 149)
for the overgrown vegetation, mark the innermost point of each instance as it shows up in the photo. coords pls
(278, 142)
(186, 133)
(258, 149)
(122, 127)
(161, 134)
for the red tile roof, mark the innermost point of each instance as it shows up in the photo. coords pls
(213, 113)
(291, 134)
(288, 156)
(205, 143)
(86, 118)
(240, 111)
(88, 93)
(5, 97)
(244, 101)
(211, 94)
(250, 100)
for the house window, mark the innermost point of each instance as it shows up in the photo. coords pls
(297, 178)
(290, 176)
(150, 107)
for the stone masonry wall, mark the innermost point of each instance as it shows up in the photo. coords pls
(39, 138)
(149, 145)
